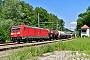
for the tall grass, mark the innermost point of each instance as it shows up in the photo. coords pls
(80, 44)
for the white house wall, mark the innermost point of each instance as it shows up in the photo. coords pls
(86, 34)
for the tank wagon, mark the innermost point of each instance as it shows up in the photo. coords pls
(55, 34)
(63, 35)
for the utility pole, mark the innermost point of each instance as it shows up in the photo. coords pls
(57, 24)
(38, 20)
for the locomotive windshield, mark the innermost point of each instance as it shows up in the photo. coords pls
(13, 29)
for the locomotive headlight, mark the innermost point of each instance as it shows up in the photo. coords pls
(11, 33)
(18, 32)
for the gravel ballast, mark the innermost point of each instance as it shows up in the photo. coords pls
(64, 55)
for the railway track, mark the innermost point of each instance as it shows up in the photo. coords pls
(9, 46)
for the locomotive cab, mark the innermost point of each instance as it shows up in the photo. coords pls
(15, 33)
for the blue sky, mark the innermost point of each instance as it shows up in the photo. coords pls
(67, 10)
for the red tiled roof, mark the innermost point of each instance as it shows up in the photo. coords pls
(85, 26)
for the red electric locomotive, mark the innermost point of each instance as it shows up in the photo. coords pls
(26, 33)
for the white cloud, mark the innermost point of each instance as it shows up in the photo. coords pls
(73, 23)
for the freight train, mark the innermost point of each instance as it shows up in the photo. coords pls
(26, 33)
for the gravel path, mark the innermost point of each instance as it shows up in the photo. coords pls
(64, 55)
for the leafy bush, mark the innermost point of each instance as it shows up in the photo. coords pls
(5, 26)
(84, 36)
(3, 36)
(78, 35)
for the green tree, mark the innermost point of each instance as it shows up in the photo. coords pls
(43, 15)
(53, 18)
(83, 18)
(12, 10)
(27, 13)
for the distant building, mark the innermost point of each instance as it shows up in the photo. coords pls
(85, 31)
